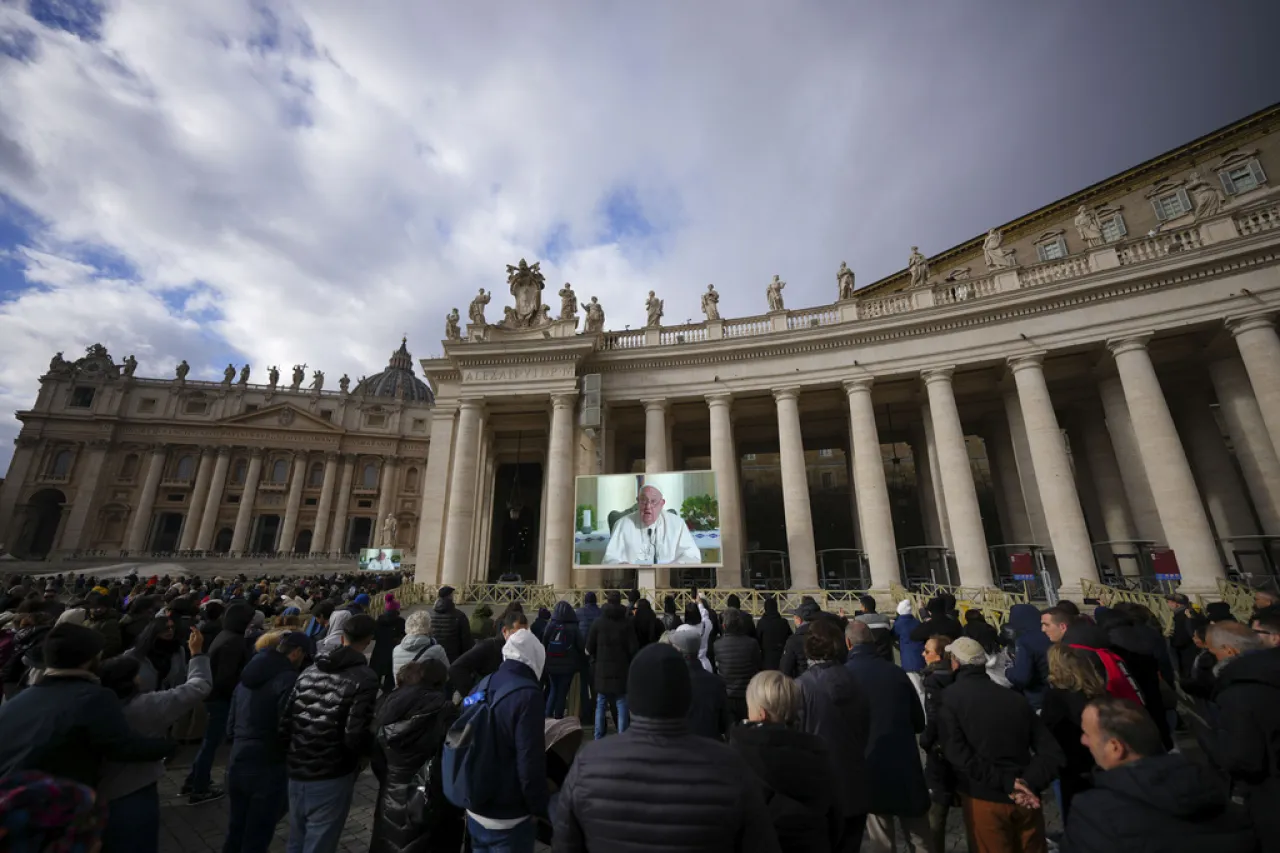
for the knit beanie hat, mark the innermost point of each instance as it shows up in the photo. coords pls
(589, 598)
(69, 646)
(904, 607)
(658, 684)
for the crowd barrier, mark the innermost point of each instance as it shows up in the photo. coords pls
(1238, 596)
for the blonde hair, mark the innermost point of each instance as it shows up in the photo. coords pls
(269, 640)
(775, 694)
(1069, 669)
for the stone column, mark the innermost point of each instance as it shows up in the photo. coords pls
(199, 495)
(965, 519)
(386, 499)
(140, 525)
(724, 461)
(435, 494)
(875, 516)
(934, 473)
(325, 504)
(801, 551)
(292, 503)
(1026, 471)
(1137, 490)
(1178, 503)
(1004, 473)
(462, 496)
(86, 490)
(1064, 516)
(1107, 482)
(1258, 460)
(656, 447)
(244, 515)
(558, 559)
(1260, 351)
(19, 470)
(926, 493)
(342, 500)
(209, 519)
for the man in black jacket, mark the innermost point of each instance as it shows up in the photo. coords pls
(1144, 799)
(449, 625)
(484, 657)
(227, 656)
(622, 795)
(773, 631)
(611, 644)
(709, 714)
(940, 622)
(1002, 753)
(328, 726)
(793, 662)
(737, 660)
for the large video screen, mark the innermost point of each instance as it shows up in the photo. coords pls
(380, 560)
(669, 519)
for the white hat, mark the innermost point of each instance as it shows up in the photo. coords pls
(524, 647)
(967, 651)
(904, 607)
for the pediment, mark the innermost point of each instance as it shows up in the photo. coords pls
(281, 416)
(1235, 158)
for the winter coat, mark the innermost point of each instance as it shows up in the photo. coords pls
(481, 623)
(150, 677)
(991, 737)
(230, 652)
(480, 660)
(893, 763)
(587, 615)
(1029, 674)
(575, 656)
(1246, 741)
(834, 709)
(938, 774)
(646, 624)
(1159, 804)
(881, 631)
(799, 782)
(912, 651)
(410, 647)
(1140, 648)
(793, 661)
(151, 715)
(109, 627)
(254, 722)
(985, 634)
(680, 793)
(328, 716)
(612, 644)
(388, 631)
(521, 747)
(1181, 644)
(709, 714)
(66, 725)
(410, 726)
(772, 631)
(1062, 713)
(449, 627)
(737, 661)
(938, 623)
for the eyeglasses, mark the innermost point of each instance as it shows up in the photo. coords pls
(648, 502)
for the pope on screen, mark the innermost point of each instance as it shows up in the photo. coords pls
(381, 563)
(650, 536)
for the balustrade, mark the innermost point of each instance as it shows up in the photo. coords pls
(951, 292)
(745, 326)
(1258, 220)
(1052, 271)
(1159, 246)
(885, 306)
(682, 334)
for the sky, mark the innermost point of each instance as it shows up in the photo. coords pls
(278, 182)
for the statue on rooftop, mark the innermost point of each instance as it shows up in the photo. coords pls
(345, 382)
(711, 303)
(844, 278)
(653, 308)
(595, 316)
(451, 330)
(244, 375)
(774, 294)
(993, 251)
(1088, 227)
(299, 374)
(919, 267)
(476, 312)
(317, 381)
(130, 365)
(273, 376)
(182, 371)
(526, 284)
(568, 303)
(1206, 198)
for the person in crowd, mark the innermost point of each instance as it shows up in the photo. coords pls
(1061, 625)
(485, 657)
(337, 622)
(449, 625)
(611, 644)
(1184, 650)
(566, 652)
(540, 622)
(1264, 598)
(1029, 672)
(257, 780)
(738, 659)
(940, 621)
(507, 822)
(1054, 622)
(105, 619)
(411, 814)
(141, 610)
(318, 626)
(132, 788)
(881, 627)
(911, 651)
(976, 627)
(941, 779)
(67, 725)
(587, 614)
(418, 644)
(798, 776)
(645, 623)
(1073, 683)
(1146, 657)
(1266, 624)
(732, 601)
(1145, 799)
(162, 663)
(793, 662)
(25, 656)
(773, 632)
(227, 658)
(697, 620)
(839, 713)
(1198, 683)
(712, 801)
(388, 632)
(709, 714)
(1246, 741)
(327, 724)
(670, 618)
(481, 623)
(1003, 755)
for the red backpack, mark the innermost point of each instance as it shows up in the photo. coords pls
(1120, 683)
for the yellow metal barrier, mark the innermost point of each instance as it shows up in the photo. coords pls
(1109, 595)
(1239, 597)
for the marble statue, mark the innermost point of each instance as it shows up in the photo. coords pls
(476, 312)
(774, 294)
(57, 364)
(919, 267)
(568, 302)
(711, 303)
(130, 365)
(1205, 198)
(182, 371)
(997, 257)
(345, 382)
(451, 330)
(317, 381)
(299, 373)
(1088, 226)
(844, 276)
(595, 316)
(653, 307)
(389, 531)
(273, 376)
(526, 284)
(244, 375)
(229, 375)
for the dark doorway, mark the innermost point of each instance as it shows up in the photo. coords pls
(44, 511)
(359, 537)
(303, 543)
(222, 542)
(514, 540)
(264, 540)
(167, 529)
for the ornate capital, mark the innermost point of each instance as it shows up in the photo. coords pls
(859, 385)
(1250, 323)
(781, 394)
(655, 404)
(471, 404)
(1023, 362)
(938, 374)
(1129, 343)
(719, 398)
(564, 399)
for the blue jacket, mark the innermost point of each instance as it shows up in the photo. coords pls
(1029, 673)
(521, 745)
(587, 614)
(912, 650)
(254, 722)
(893, 764)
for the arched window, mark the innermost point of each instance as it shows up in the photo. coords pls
(411, 480)
(316, 476)
(369, 476)
(279, 471)
(239, 471)
(129, 467)
(186, 467)
(61, 465)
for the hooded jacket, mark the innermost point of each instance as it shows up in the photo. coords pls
(938, 623)
(645, 623)
(572, 659)
(799, 782)
(230, 652)
(912, 650)
(1029, 673)
(419, 648)
(612, 644)
(481, 622)
(254, 722)
(449, 627)
(738, 659)
(772, 631)
(1246, 741)
(327, 719)
(1160, 804)
(480, 660)
(518, 725)
(588, 613)
(387, 633)
(938, 774)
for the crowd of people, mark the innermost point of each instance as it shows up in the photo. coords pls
(712, 730)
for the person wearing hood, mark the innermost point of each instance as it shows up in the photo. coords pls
(879, 624)
(1144, 799)
(587, 614)
(227, 656)
(163, 664)
(669, 616)
(449, 625)
(507, 821)
(418, 645)
(481, 622)
(738, 660)
(337, 622)
(1029, 672)
(411, 814)
(387, 635)
(645, 623)
(709, 715)
(611, 644)
(772, 632)
(485, 657)
(566, 653)
(540, 622)
(976, 627)
(911, 651)
(1138, 648)
(257, 784)
(940, 621)
(327, 723)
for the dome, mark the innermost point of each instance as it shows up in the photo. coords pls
(397, 380)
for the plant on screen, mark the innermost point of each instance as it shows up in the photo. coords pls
(701, 512)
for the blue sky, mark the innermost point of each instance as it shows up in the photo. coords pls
(266, 181)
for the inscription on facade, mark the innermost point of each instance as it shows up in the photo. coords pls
(519, 374)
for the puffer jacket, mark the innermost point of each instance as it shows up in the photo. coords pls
(1029, 673)
(327, 720)
(713, 804)
(230, 651)
(564, 622)
(612, 644)
(737, 661)
(938, 774)
(254, 722)
(449, 627)
(772, 631)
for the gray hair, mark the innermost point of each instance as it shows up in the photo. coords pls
(776, 694)
(859, 634)
(418, 624)
(1233, 635)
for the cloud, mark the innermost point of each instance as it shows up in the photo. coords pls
(286, 181)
